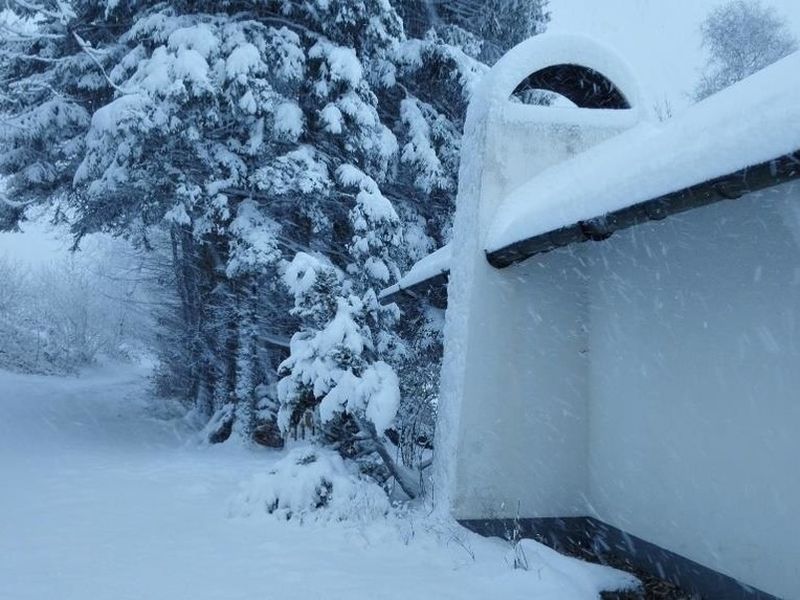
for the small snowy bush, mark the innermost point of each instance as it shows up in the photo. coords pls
(58, 317)
(312, 483)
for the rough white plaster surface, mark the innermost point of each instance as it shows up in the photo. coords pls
(694, 430)
(649, 380)
(502, 149)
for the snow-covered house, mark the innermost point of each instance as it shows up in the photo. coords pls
(622, 354)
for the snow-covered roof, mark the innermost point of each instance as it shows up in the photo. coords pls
(755, 121)
(742, 139)
(433, 265)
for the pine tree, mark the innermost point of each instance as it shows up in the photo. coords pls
(485, 29)
(50, 76)
(245, 396)
(230, 137)
(334, 389)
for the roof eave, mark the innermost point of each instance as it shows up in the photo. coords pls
(751, 179)
(434, 288)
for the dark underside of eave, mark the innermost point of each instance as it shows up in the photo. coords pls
(728, 187)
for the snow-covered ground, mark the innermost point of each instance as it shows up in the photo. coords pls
(102, 497)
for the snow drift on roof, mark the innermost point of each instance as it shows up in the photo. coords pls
(754, 121)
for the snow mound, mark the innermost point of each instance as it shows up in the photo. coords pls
(583, 577)
(311, 483)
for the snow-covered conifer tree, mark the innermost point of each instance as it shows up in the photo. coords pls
(484, 28)
(50, 76)
(231, 136)
(335, 389)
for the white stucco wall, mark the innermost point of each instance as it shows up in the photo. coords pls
(515, 456)
(694, 382)
(651, 380)
(483, 464)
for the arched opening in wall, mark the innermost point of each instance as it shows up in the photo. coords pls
(570, 85)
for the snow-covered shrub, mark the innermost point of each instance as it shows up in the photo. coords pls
(69, 313)
(313, 483)
(19, 343)
(47, 320)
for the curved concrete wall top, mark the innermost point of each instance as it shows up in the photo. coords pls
(544, 51)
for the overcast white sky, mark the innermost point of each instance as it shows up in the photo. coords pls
(658, 38)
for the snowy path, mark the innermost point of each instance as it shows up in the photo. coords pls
(100, 500)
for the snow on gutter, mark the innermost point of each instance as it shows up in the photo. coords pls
(434, 266)
(720, 140)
